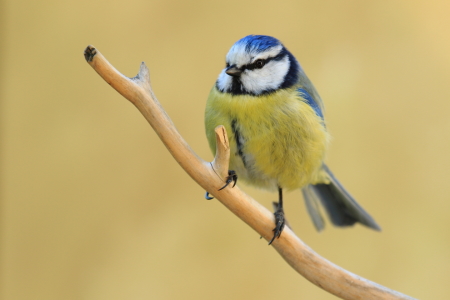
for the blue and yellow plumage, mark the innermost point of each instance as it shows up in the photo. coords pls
(278, 136)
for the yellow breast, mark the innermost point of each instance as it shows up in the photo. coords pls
(276, 140)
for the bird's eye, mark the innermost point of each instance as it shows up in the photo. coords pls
(259, 63)
(227, 65)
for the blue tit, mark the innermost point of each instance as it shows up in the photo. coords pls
(278, 137)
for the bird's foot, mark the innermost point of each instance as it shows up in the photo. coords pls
(208, 197)
(280, 222)
(232, 177)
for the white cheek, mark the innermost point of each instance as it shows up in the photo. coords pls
(270, 77)
(224, 81)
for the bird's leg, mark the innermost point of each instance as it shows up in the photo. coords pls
(279, 217)
(232, 177)
(286, 222)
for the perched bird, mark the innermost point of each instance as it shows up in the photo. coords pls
(278, 137)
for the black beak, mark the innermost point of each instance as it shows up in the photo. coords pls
(233, 71)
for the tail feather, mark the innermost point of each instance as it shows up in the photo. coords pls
(312, 206)
(341, 207)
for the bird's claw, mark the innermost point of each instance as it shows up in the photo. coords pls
(232, 177)
(280, 222)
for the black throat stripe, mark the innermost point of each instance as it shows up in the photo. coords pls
(237, 138)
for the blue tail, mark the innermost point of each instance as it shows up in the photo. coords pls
(341, 207)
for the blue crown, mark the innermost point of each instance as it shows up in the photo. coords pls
(258, 43)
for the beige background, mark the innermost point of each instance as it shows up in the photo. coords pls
(93, 206)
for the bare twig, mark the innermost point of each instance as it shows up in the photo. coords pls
(210, 176)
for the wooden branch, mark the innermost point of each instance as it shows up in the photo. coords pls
(210, 176)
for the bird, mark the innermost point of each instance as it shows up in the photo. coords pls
(278, 136)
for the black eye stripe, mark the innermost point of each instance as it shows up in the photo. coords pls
(257, 64)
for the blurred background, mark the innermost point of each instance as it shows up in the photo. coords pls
(94, 207)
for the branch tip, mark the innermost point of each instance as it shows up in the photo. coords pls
(144, 73)
(222, 157)
(221, 136)
(89, 53)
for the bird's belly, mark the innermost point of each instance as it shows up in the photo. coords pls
(276, 140)
(287, 156)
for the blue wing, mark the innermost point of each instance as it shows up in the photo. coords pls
(311, 102)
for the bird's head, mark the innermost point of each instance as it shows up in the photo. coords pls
(258, 65)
